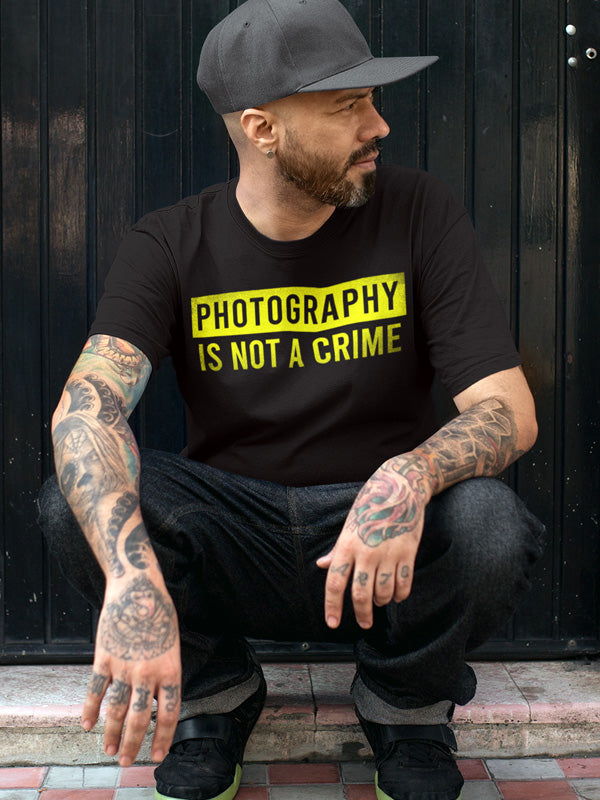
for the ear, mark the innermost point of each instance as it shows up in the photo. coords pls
(262, 128)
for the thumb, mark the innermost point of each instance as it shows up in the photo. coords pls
(325, 561)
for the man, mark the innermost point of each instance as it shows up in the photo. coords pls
(306, 306)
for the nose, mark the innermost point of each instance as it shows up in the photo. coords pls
(374, 127)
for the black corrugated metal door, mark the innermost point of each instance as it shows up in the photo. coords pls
(101, 121)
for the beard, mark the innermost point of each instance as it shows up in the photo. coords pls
(321, 178)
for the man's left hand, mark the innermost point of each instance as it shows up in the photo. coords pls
(377, 547)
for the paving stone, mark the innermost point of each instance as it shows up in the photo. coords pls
(524, 769)
(102, 777)
(134, 794)
(473, 769)
(254, 775)
(361, 792)
(536, 790)
(253, 793)
(133, 777)
(19, 794)
(79, 794)
(320, 792)
(22, 777)
(480, 790)
(580, 767)
(303, 773)
(587, 789)
(355, 772)
(64, 778)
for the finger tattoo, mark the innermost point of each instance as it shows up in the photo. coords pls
(405, 572)
(97, 683)
(172, 693)
(384, 578)
(362, 578)
(342, 569)
(141, 704)
(119, 694)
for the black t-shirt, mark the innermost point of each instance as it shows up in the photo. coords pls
(310, 361)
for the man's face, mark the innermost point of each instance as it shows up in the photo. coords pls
(330, 144)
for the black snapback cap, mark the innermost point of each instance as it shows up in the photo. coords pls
(269, 49)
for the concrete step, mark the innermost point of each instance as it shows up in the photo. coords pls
(520, 709)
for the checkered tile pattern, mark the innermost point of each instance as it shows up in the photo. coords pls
(492, 779)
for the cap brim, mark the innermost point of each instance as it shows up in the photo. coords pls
(374, 72)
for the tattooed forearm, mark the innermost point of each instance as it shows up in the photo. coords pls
(140, 624)
(97, 459)
(480, 441)
(123, 509)
(138, 548)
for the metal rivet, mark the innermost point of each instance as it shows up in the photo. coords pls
(571, 30)
(572, 62)
(305, 646)
(591, 53)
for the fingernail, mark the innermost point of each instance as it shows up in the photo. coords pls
(86, 725)
(158, 756)
(111, 750)
(332, 622)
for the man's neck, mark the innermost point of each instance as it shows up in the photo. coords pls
(281, 213)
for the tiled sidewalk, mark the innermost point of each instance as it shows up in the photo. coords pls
(492, 779)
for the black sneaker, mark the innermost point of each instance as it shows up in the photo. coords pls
(413, 762)
(205, 759)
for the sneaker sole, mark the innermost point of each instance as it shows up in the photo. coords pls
(381, 795)
(228, 794)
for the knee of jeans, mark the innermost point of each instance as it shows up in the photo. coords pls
(492, 532)
(55, 517)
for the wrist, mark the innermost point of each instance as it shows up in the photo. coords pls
(416, 469)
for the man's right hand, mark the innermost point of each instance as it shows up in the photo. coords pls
(137, 658)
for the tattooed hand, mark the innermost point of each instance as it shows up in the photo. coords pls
(380, 538)
(378, 545)
(136, 659)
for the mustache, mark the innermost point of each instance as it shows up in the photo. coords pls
(372, 149)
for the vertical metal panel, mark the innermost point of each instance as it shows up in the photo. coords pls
(163, 111)
(21, 339)
(540, 222)
(70, 260)
(448, 95)
(102, 120)
(580, 482)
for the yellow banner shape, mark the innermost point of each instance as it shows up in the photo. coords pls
(299, 309)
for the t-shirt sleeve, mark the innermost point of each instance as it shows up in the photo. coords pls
(140, 297)
(464, 324)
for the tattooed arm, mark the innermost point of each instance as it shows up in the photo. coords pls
(97, 463)
(378, 545)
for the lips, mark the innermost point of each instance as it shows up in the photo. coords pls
(366, 159)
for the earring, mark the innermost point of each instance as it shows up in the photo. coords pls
(270, 154)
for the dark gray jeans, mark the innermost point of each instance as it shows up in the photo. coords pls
(238, 556)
